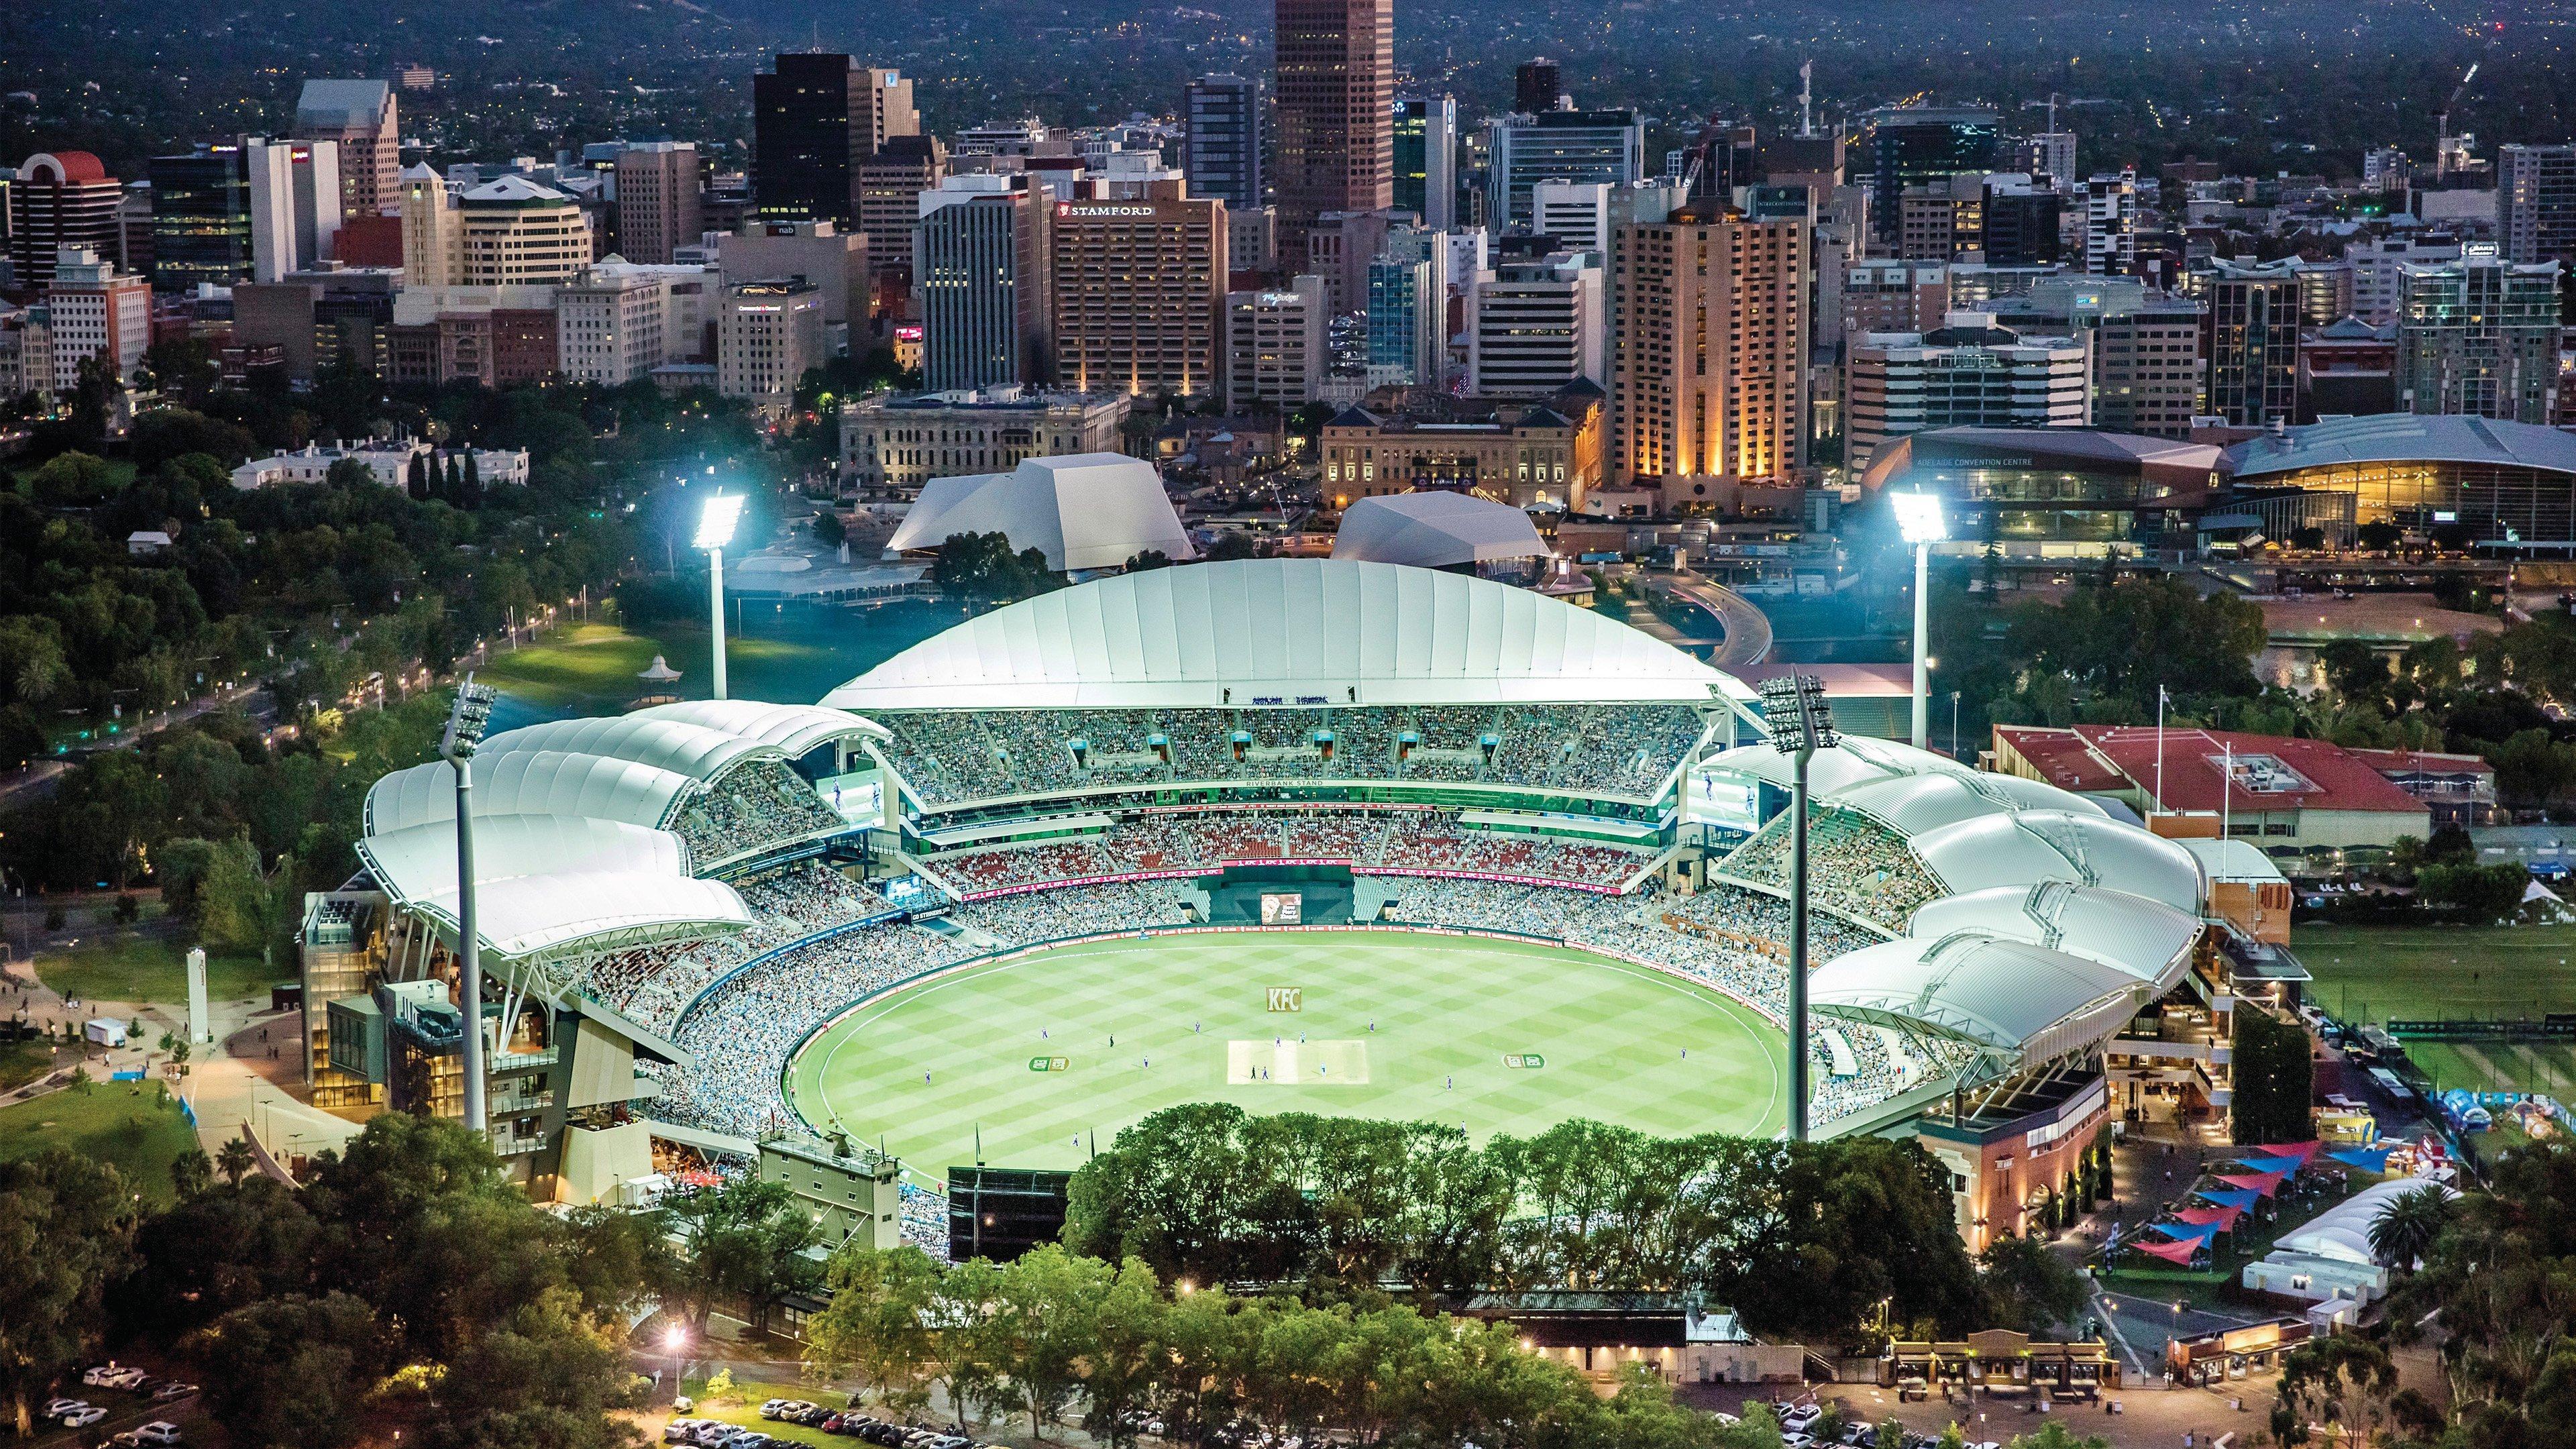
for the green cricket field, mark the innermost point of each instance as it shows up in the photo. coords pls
(1046, 1054)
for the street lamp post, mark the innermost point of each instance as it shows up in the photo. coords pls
(465, 722)
(1793, 706)
(1918, 518)
(715, 530)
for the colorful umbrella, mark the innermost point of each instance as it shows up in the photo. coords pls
(2224, 1217)
(2241, 1201)
(2182, 1252)
(2368, 1159)
(2198, 1233)
(2303, 1151)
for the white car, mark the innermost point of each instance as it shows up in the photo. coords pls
(159, 1431)
(56, 1408)
(125, 1378)
(80, 1418)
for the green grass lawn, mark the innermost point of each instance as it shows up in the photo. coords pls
(129, 967)
(1190, 1015)
(22, 1062)
(116, 1122)
(591, 668)
(2379, 973)
(749, 1395)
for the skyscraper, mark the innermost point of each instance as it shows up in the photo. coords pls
(1408, 292)
(1336, 96)
(1536, 86)
(60, 200)
(980, 283)
(1535, 326)
(1913, 145)
(2480, 336)
(1559, 146)
(2111, 224)
(201, 221)
(295, 203)
(815, 121)
(1708, 363)
(1221, 151)
(1426, 158)
(2253, 348)
(2536, 202)
(890, 187)
(658, 207)
(360, 117)
(1138, 287)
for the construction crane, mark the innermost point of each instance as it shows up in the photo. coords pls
(2442, 136)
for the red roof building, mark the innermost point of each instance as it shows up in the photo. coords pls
(2269, 790)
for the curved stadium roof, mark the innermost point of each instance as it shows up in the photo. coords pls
(1318, 631)
(530, 782)
(1901, 783)
(665, 744)
(2040, 845)
(2404, 438)
(2148, 939)
(2018, 1001)
(1435, 529)
(795, 729)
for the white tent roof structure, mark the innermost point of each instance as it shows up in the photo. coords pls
(1082, 510)
(1919, 804)
(2031, 846)
(1287, 632)
(2020, 1002)
(793, 729)
(1435, 529)
(2342, 1232)
(666, 744)
(2150, 940)
(529, 782)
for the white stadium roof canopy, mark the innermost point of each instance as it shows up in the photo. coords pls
(526, 916)
(530, 782)
(795, 729)
(2039, 845)
(419, 862)
(1859, 762)
(1919, 804)
(1286, 631)
(2022, 1003)
(1435, 529)
(666, 744)
(1083, 511)
(2148, 939)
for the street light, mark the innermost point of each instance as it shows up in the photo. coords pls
(466, 720)
(1793, 706)
(715, 530)
(1918, 518)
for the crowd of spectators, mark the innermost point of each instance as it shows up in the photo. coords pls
(1855, 865)
(756, 803)
(1374, 842)
(653, 984)
(952, 756)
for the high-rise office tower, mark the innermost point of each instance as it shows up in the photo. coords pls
(433, 235)
(1708, 358)
(1537, 85)
(890, 186)
(1913, 145)
(1536, 325)
(1221, 150)
(97, 312)
(60, 200)
(815, 121)
(658, 208)
(358, 116)
(2111, 224)
(1336, 96)
(2020, 223)
(1274, 346)
(201, 222)
(2536, 202)
(516, 232)
(2480, 336)
(1575, 213)
(1559, 146)
(979, 282)
(1408, 296)
(2050, 154)
(295, 204)
(1426, 158)
(2253, 348)
(1138, 289)
(1966, 373)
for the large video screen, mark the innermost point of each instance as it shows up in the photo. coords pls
(1282, 908)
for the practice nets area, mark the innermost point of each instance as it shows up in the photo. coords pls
(1046, 1052)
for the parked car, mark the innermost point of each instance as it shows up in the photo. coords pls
(681, 1431)
(80, 1418)
(772, 1408)
(169, 1389)
(159, 1431)
(56, 1408)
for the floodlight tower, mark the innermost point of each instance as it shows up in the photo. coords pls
(465, 723)
(715, 530)
(1793, 706)
(1918, 518)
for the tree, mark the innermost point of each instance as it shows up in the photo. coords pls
(982, 566)
(71, 480)
(2341, 1381)
(745, 1237)
(2379, 536)
(2482, 893)
(416, 477)
(544, 1377)
(469, 493)
(1152, 558)
(66, 1230)
(2028, 1286)
(235, 1160)
(872, 1326)
(2408, 1224)
(1050, 1304)
(291, 1372)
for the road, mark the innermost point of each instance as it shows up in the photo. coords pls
(36, 780)
(1747, 628)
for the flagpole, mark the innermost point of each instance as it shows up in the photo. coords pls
(2160, 749)
(2226, 796)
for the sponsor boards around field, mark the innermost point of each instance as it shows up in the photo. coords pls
(1050, 1064)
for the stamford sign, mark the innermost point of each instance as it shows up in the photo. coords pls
(1067, 208)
